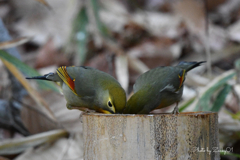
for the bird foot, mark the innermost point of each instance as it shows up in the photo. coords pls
(175, 110)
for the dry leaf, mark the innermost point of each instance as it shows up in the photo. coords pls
(192, 12)
(14, 43)
(45, 3)
(229, 128)
(3, 158)
(234, 31)
(49, 55)
(137, 65)
(41, 103)
(121, 62)
(69, 119)
(155, 52)
(15, 146)
(103, 62)
(159, 24)
(37, 122)
(38, 21)
(63, 149)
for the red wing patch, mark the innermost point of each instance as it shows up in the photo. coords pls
(62, 73)
(181, 78)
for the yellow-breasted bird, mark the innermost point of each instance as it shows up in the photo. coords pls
(159, 88)
(86, 88)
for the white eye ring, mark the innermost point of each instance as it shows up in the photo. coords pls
(110, 104)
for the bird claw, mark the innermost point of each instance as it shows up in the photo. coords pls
(175, 111)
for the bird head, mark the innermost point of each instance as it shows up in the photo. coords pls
(113, 100)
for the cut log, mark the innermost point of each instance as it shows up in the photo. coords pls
(185, 136)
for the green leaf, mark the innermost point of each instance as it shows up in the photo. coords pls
(221, 98)
(235, 115)
(204, 100)
(26, 70)
(223, 153)
(186, 104)
(101, 27)
(80, 29)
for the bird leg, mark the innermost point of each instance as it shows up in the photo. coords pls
(175, 110)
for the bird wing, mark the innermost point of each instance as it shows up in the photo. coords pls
(161, 79)
(85, 80)
(63, 74)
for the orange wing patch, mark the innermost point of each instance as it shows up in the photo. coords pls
(62, 73)
(181, 77)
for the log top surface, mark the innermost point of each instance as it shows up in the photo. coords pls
(197, 114)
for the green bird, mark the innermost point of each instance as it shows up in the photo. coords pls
(86, 88)
(159, 88)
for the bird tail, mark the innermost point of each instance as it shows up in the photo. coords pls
(189, 65)
(45, 77)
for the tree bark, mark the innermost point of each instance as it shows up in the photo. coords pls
(185, 136)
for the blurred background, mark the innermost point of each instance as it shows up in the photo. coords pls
(120, 37)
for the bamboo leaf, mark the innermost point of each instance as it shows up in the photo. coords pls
(101, 27)
(221, 98)
(235, 115)
(31, 91)
(15, 146)
(186, 104)
(14, 43)
(28, 71)
(121, 63)
(204, 100)
(137, 65)
(45, 3)
(227, 153)
(80, 28)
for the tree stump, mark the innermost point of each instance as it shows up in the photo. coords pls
(186, 136)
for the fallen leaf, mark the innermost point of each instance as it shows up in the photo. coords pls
(192, 12)
(203, 103)
(234, 31)
(159, 24)
(137, 65)
(37, 122)
(28, 71)
(15, 146)
(14, 43)
(34, 119)
(45, 3)
(38, 21)
(41, 103)
(3, 158)
(66, 149)
(103, 62)
(49, 55)
(155, 52)
(121, 62)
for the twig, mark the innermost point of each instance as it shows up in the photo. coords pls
(206, 41)
(110, 58)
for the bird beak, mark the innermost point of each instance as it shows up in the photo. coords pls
(105, 111)
(108, 112)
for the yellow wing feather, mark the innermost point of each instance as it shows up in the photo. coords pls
(62, 73)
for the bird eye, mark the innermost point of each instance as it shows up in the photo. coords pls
(109, 104)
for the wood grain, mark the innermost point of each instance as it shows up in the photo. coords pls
(149, 137)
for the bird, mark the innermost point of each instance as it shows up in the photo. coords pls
(159, 88)
(88, 89)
